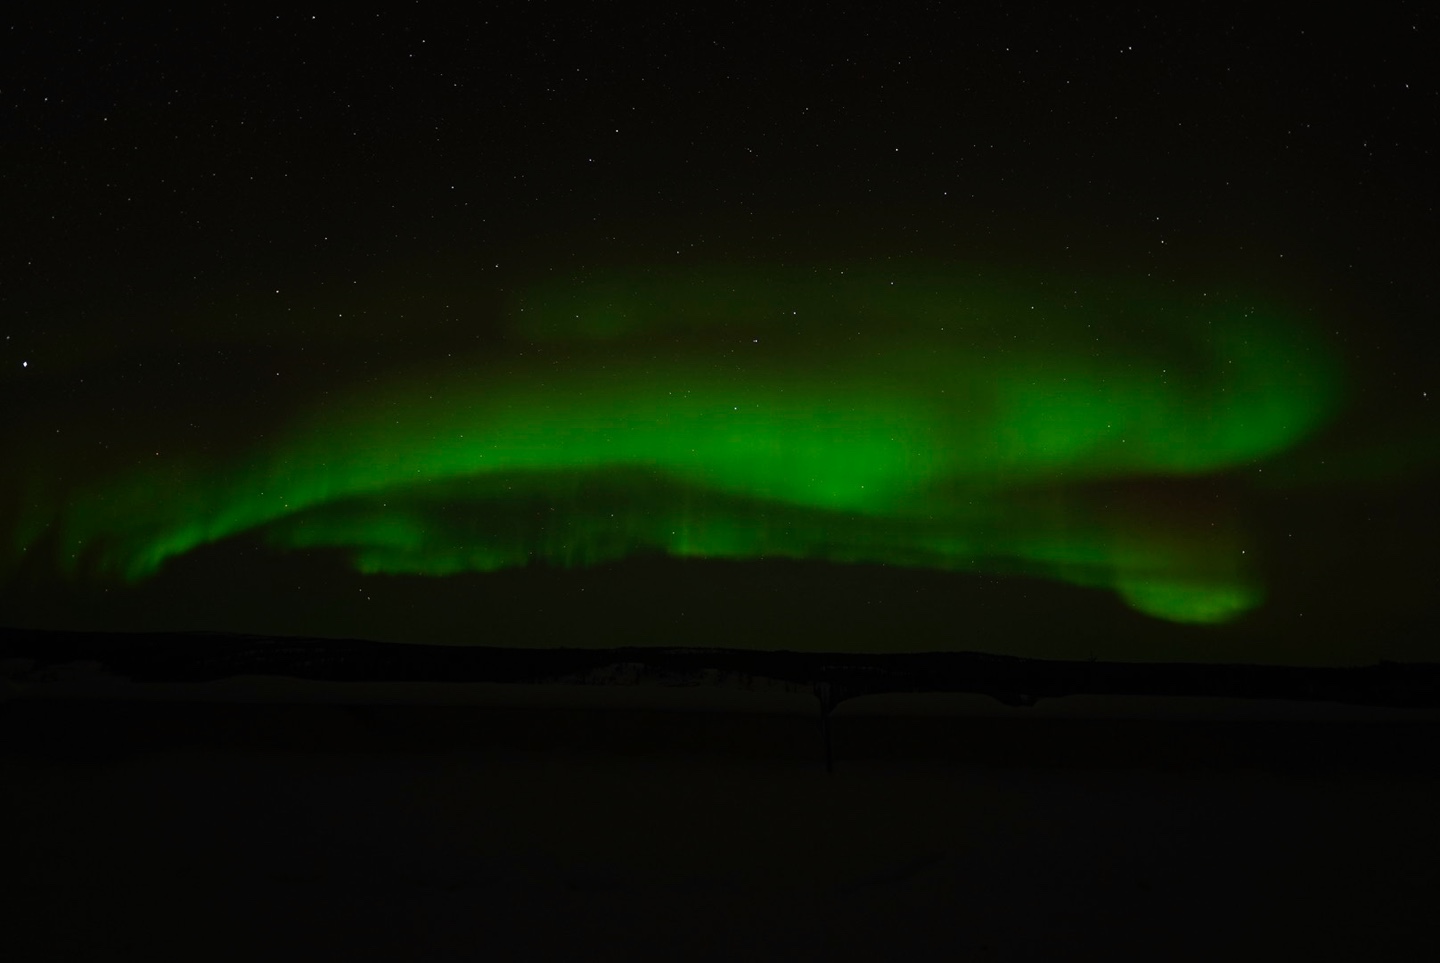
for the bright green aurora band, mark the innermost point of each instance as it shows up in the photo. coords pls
(896, 417)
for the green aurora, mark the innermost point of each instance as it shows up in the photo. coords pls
(904, 417)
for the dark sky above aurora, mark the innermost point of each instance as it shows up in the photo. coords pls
(802, 329)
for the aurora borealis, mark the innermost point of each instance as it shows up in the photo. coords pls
(903, 418)
(891, 312)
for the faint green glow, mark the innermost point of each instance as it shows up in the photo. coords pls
(907, 418)
(1182, 601)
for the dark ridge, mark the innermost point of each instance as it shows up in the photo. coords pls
(192, 657)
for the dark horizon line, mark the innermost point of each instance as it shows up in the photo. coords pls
(208, 656)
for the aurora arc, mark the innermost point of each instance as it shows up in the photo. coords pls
(890, 416)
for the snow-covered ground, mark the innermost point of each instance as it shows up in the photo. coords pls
(219, 832)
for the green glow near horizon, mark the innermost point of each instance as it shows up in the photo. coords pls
(900, 417)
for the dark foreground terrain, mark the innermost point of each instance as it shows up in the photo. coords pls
(535, 827)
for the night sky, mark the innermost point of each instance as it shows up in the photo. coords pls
(785, 326)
